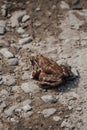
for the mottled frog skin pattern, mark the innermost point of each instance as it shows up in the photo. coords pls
(48, 72)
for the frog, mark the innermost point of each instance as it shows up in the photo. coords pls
(48, 72)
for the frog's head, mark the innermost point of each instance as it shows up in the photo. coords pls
(35, 59)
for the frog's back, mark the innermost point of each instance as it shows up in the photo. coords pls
(48, 65)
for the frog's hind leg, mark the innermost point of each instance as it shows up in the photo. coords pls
(43, 84)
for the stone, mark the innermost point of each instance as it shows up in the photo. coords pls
(15, 88)
(0, 78)
(65, 124)
(49, 98)
(48, 112)
(18, 110)
(27, 108)
(25, 18)
(26, 102)
(8, 80)
(4, 10)
(10, 110)
(12, 62)
(64, 5)
(2, 23)
(4, 43)
(70, 107)
(75, 72)
(79, 109)
(16, 18)
(2, 27)
(26, 76)
(29, 87)
(4, 92)
(6, 53)
(20, 30)
(48, 13)
(24, 35)
(0, 68)
(25, 87)
(84, 42)
(37, 24)
(13, 120)
(2, 105)
(27, 114)
(38, 9)
(25, 40)
(57, 118)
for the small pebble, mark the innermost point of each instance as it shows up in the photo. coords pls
(12, 62)
(8, 80)
(49, 98)
(25, 18)
(2, 27)
(75, 72)
(70, 107)
(79, 109)
(20, 30)
(6, 53)
(57, 118)
(27, 108)
(48, 112)
(25, 40)
(13, 120)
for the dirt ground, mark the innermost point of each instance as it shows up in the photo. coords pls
(43, 23)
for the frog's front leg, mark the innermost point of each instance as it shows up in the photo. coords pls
(35, 74)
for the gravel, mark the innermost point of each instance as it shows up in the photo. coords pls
(2, 27)
(79, 109)
(6, 53)
(29, 87)
(75, 72)
(4, 10)
(26, 108)
(26, 102)
(20, 30)
(57, 118)
(4, 92)
(8, 80)
(16, 18)
(12, 62)
(25, 18)
(48, 112)
(49, 98)
(10, 110)
(64, 5)
(25, 40)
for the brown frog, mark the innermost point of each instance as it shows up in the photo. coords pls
(48, 72)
